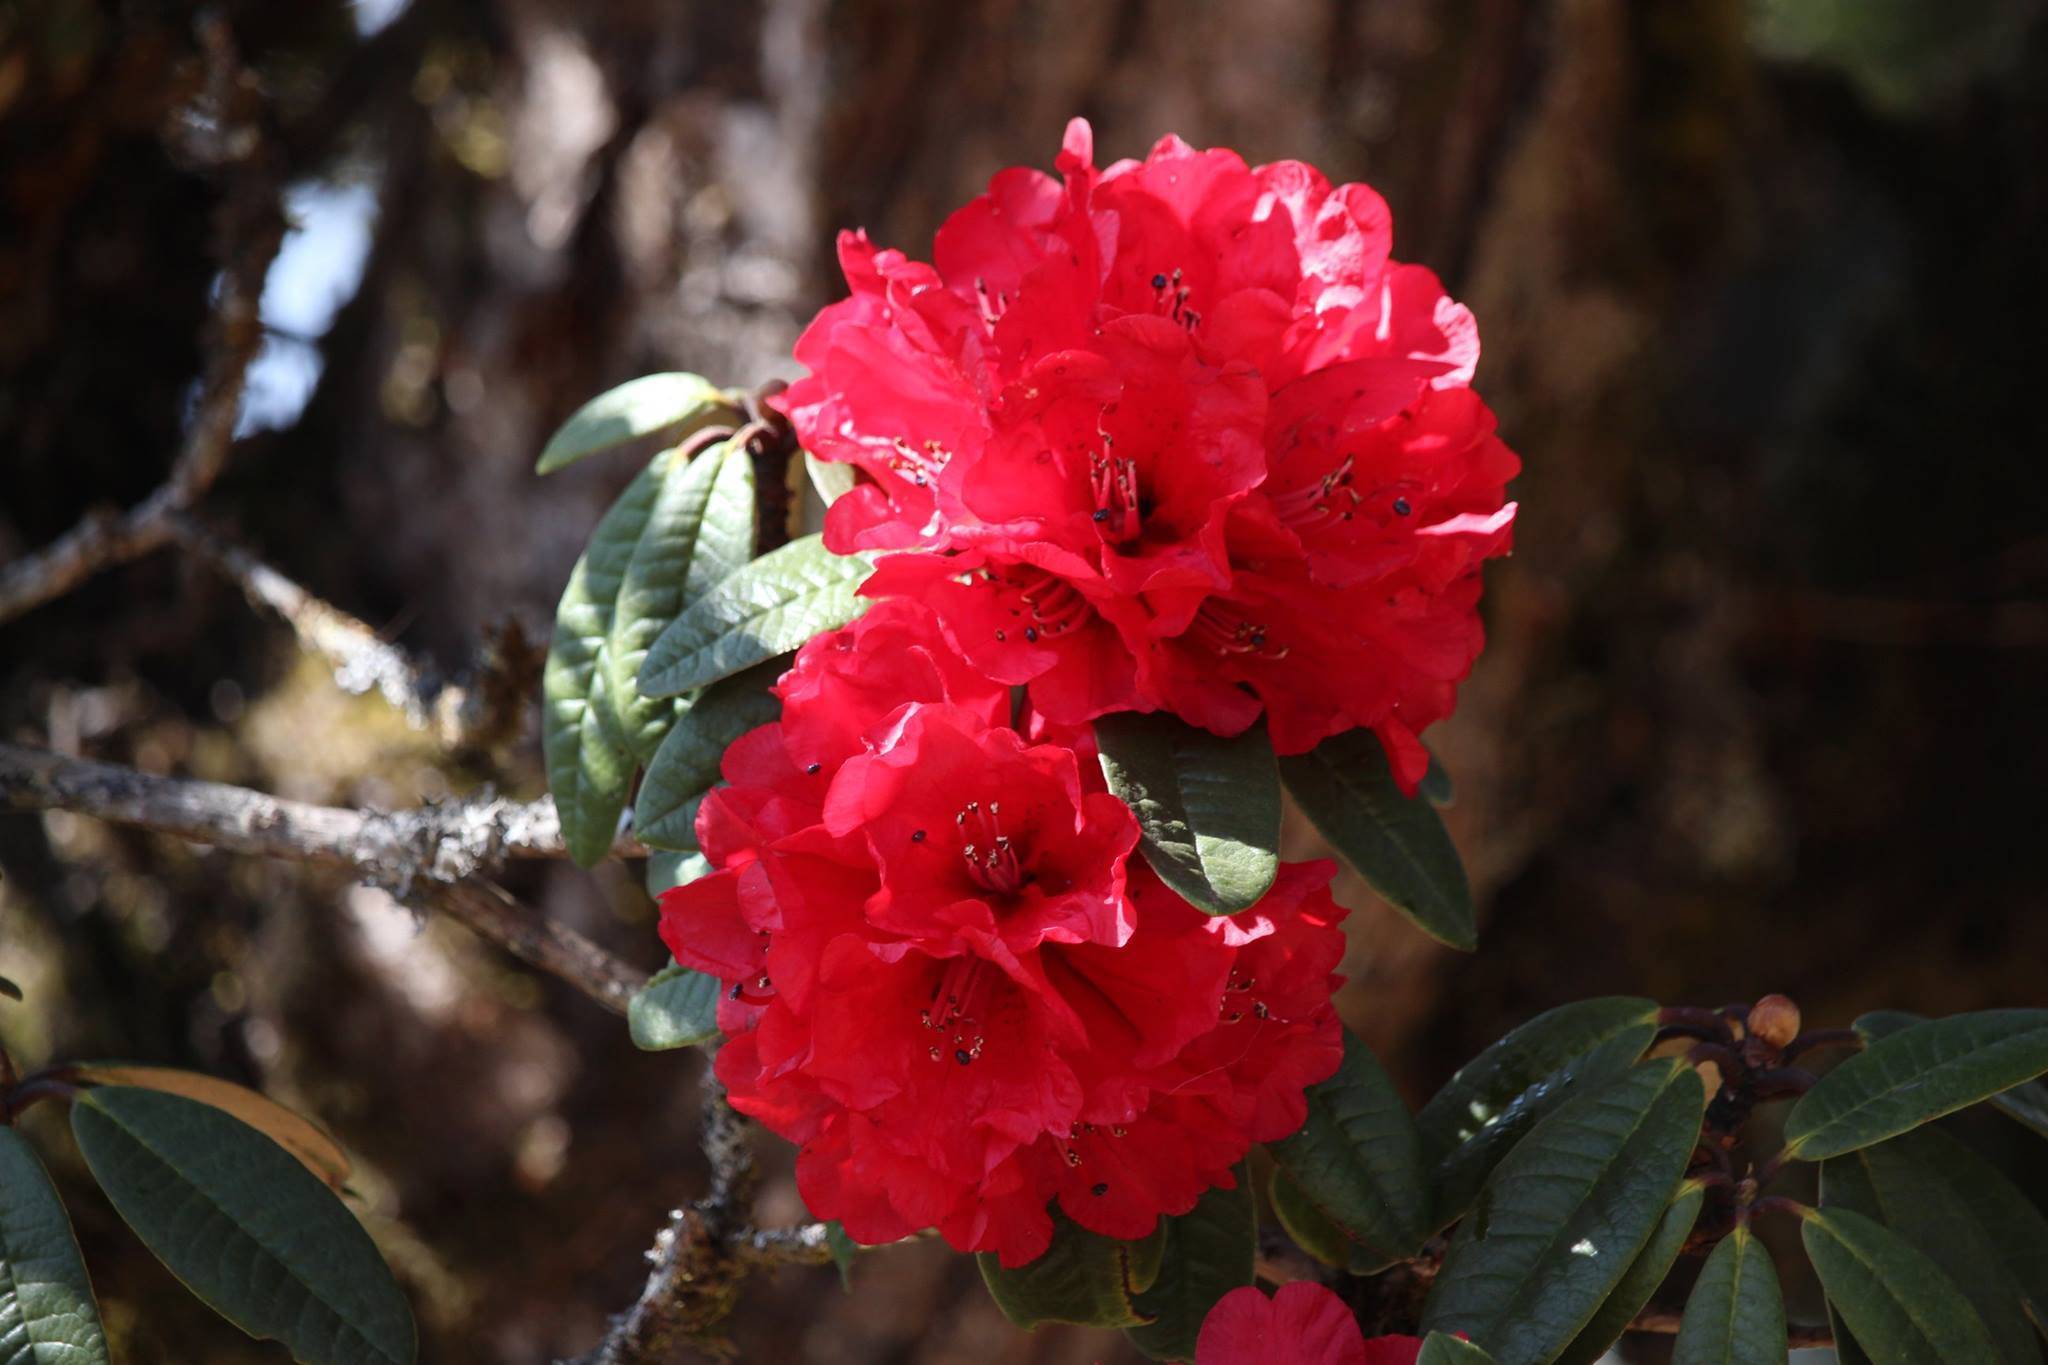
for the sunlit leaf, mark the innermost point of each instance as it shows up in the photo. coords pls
(47, 1312)
(1209, 807)
(766, 608)
(675, 403)
(678, 1007)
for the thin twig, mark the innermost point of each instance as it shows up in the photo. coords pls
(456, 715)
(441, 855)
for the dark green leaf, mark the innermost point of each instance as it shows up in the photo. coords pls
(2026, 1103)
(9, 989)
(767, 608)
(640, 407)
(1436, 785)
(1484, 1110)
(686, 764)
(1083, 1278)
(1358, 1160)
(1649, 1269)
(47, 1313)
(1900, 1305)
(1306, 1224)
(677, 1007)
(1915, 1076)
(1209, 807)
(313, 1145)
(1441, 1348)
(1736, 1315)
(589, 766)
(1398, 843)
(244, 1225)
(1209, 1252)
(699, 530)
(1567, 1212)
(1952, 1205)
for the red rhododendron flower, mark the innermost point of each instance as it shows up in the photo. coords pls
(1178, 434)
(1303, 1324)
(950, 982)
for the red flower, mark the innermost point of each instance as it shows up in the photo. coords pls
(1182, 436)
(951, 984)
(1303, 1324)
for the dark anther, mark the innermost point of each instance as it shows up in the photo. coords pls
(1031, 634)
(813, 768)
(1000, 637)
(1159, 281)
(1401, 508)
(960, 1056)
(1101, 1189)
(736, 989)
(917, 836)
(1102, 514)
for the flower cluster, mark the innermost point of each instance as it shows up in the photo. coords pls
(1175, 435)
(949, 981)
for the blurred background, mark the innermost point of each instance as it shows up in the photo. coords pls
(1764, 305)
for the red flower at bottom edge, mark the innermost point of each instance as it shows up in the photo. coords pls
(1303, 1324)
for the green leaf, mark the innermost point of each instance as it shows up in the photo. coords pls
(667, 868)
(1736, 1315)
(1498, 1096)
(832, 479)
(1441, 1348)
(1645, 1274)
(1397, 843)
(2026, 1103)
(1436, 786)
(1915, 1076)
(767, 608)
(589, 766)
(1567, 1212)
(699, 530)
(1951, 1204)
(1209, 807)
(678, 1007)
(313, 1145)
(639, 407)
(244, 1225)
(1209, 1252)
(1899, 1304)
(686, 764)
(1358, 1160)
(1306, 1224)
(47, 1312)
(1083, 1278)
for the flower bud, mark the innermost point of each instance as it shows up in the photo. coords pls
(1775, 1019)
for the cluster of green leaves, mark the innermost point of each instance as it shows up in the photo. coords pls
(666, 641)
(1556, 1177)
(1209, 809)
(235, 1194)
